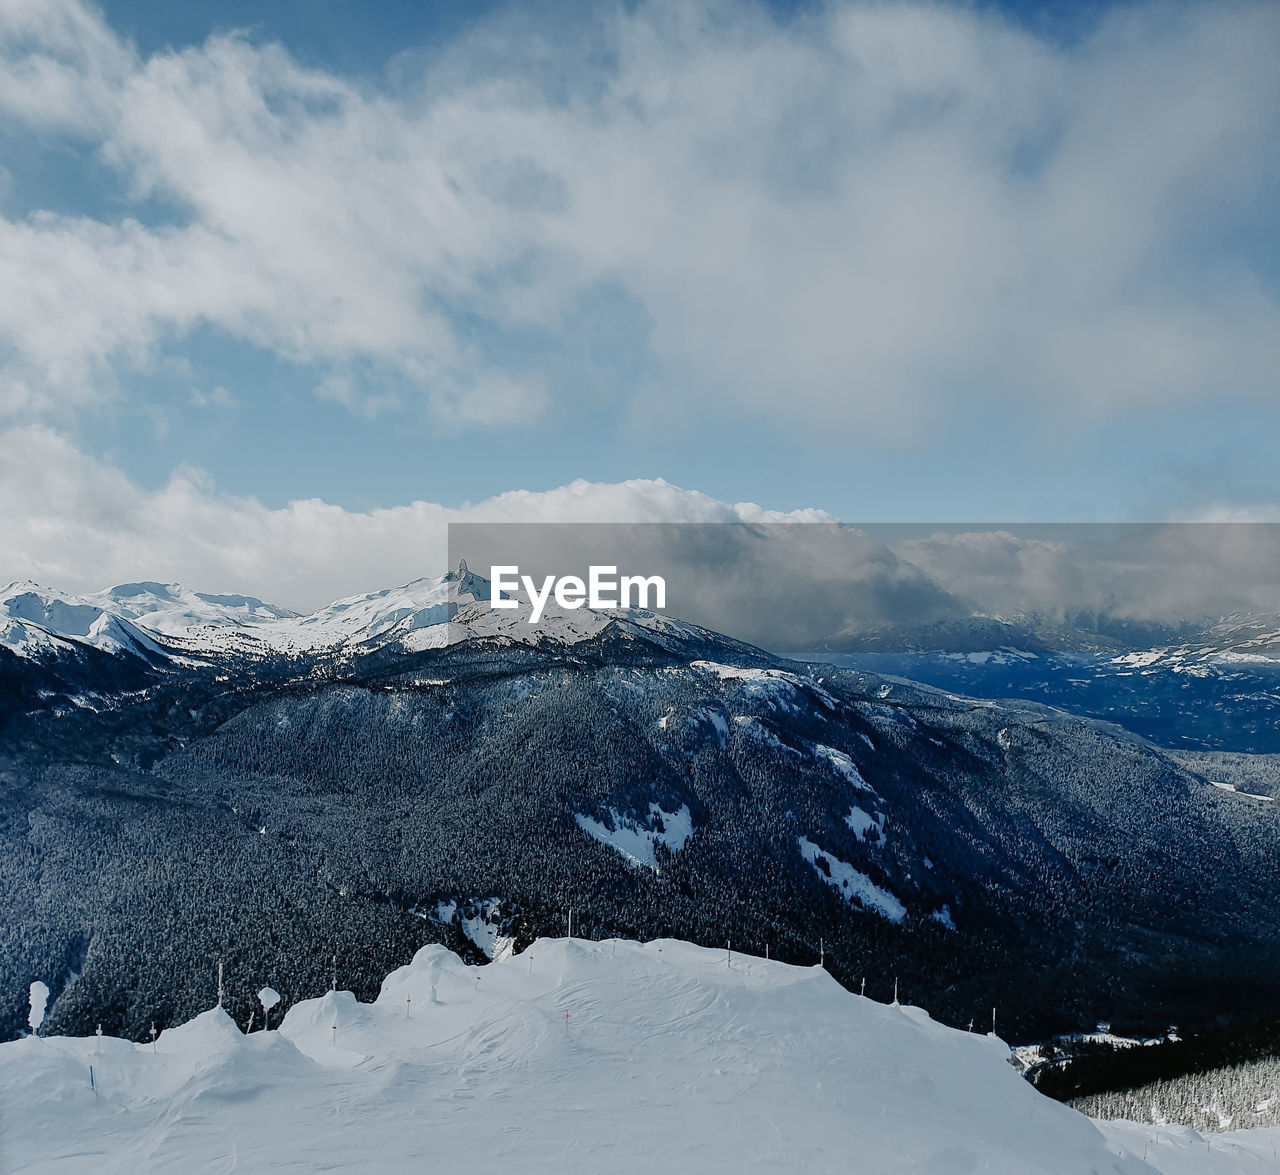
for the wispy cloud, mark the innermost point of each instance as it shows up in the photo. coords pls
(854, 222)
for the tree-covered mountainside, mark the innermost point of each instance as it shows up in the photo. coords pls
(1239, 1095)
(293, 817)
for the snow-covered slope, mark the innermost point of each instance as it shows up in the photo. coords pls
(572, 1056)
(34, 619)
(1235, 642)
(429, 603)
(433, 613)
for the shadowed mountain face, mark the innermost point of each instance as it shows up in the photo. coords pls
(296, 815)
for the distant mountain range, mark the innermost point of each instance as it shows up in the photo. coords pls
(297, 795)
(140, 617)
(158, 622)
(1210, 685)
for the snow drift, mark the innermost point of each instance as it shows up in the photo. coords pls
(572, 1056)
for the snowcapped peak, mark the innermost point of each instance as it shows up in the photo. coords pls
(469, 583)
(35, 619)
(19, 586)
(128, 591)
(122, 618)
(59, 613)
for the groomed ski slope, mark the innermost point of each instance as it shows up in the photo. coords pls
(668, 1060)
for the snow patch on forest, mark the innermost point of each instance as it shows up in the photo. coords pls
(751, 725)
(862, 822)
(944, 916)
(714, 719)
(1235, 790)
(484, 928)
(852, 884)
(637, 840)
(776, 688)
(481, 922)
(843, 765)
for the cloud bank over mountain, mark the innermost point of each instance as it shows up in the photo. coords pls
(78, 524)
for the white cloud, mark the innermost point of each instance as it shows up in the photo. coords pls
(77, 524)
(853, 222)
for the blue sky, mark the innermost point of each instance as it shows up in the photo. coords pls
(354, 37)
(890, 261)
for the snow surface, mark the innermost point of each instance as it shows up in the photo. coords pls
(574, 1056)
(636, 841)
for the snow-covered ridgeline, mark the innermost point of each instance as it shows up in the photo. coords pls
(572, 1056)
(161, 619)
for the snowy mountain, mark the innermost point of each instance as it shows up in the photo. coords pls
(674, 781)
(35, 621)
(572, 1056)
(167, 620)
(1084, 666)
(133, 618)
(1230, 643)
(173, 609)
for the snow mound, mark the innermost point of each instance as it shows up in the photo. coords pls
(572, 1056)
